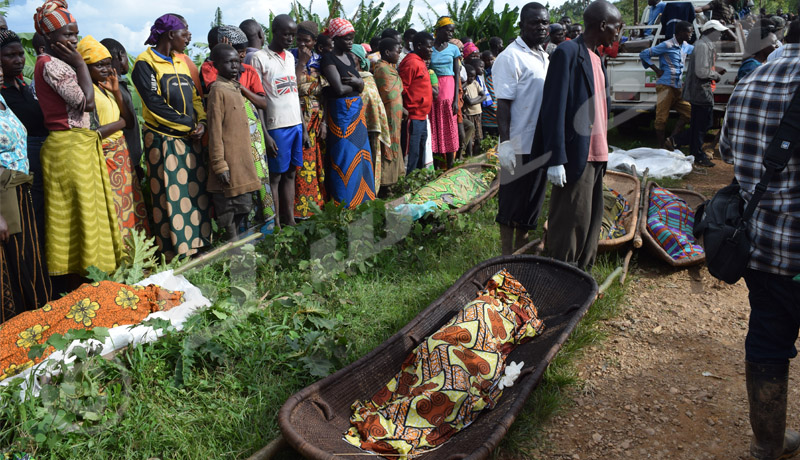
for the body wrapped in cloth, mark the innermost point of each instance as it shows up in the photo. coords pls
(451, 377)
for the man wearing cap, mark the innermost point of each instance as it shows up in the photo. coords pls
(697, 89)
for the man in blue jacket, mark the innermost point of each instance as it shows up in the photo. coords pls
(574, 124)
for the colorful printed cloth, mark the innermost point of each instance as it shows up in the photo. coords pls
(615, 210)
(104, 304)
(351, 180)
(177, 176)
(80, 218)
(377, 122)
(264, 204)
(453, 189)
(670, 221)
(127, 192)
(451, 377)
(13, 142)
(310, 178)
(390, 87)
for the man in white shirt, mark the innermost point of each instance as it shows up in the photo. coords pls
(518, 74)
(284, 119)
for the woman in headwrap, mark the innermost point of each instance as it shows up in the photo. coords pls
(310, 182)
(350, 179)
(255, 103)
(21, 99)
(445, 62)
(375, 114)
(81, 225)
(110, 117)
(390, 87)
(174, 123)
(24, 281)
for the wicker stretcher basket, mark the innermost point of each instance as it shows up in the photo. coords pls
(476, 202)
(314, 420)
(630, 188)
(693, 199)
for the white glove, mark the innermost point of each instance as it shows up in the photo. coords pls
(557, 175)
(507, 156)
(511, 375)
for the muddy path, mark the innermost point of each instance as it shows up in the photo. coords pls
(669, 380)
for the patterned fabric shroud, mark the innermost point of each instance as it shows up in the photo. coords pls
(453, 189)
(670, 221)
(451, 377)
(615, 209)
(103, 304)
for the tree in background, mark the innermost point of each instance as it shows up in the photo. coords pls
(480, 23)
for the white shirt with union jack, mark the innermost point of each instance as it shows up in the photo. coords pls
(280, 83)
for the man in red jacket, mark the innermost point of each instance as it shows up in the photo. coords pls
(417, 100)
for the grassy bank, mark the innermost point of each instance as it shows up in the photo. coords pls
(278, 323)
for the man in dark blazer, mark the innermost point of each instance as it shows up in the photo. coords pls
(574, 120)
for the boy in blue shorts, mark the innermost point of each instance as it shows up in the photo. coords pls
(284, 119)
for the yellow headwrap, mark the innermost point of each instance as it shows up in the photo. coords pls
(92, 50)
(443, 21)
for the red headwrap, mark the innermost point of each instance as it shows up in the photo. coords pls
(52, 16)
(339, 27)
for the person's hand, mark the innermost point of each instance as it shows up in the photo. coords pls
(306, 139)
(3, 229)
(721, 71)
(354, 81)
(455, 107)
(507, 156)
(272, 147)
(68, 53)
(111, 83)
(303, 55)
(557, 175)
(198, 131)
(224, 178)
(225, 40)
(405, 113)
(658, 71)
(323, 130)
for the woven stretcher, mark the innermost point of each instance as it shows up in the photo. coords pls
(629, 187)
(314, 420)
(693, 199)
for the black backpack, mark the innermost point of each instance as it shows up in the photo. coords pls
(722, 220)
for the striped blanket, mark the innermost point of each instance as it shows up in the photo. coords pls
(670, 221)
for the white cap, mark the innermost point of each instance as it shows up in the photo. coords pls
(713, 24)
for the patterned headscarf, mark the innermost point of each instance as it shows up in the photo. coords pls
(92, 50)
(469, 48)
(339, 27)
(8, 37)
(308, 28)
(164, 24)
(232, 33)
(458, 43)
(51, 16)
(443, 21)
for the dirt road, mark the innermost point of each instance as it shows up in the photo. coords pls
(669, 380)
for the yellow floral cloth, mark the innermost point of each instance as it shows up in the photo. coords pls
(104, 304)
(451, 377)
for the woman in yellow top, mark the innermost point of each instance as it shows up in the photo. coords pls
(174, 123)
(111, 116)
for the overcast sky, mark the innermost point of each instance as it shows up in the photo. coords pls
(129, 21)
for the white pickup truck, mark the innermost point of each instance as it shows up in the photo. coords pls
(633, 88)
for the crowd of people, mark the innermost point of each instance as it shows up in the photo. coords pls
(260, 133)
